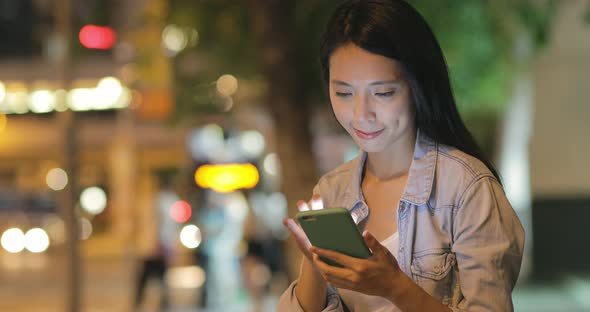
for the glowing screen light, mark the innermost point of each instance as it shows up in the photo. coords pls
(97, 37)
(227, 178)
(180, 211)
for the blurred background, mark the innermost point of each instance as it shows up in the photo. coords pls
(150, 149)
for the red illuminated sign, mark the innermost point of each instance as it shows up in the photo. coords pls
(97, 37)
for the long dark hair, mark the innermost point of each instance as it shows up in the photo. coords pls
(394, 29)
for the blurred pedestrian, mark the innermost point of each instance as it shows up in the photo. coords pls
(155, 262)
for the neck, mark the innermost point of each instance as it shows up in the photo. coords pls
(393, 162)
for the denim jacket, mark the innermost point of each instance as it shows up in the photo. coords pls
(459, 238)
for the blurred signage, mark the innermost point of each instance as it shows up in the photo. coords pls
(227, 177)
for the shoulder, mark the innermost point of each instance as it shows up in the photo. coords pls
(338, 177)
(458, 171)
(337, 182)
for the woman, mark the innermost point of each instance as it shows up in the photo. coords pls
(443, 235)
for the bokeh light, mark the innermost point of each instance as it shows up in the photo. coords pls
(227, 178)
(2, 91)
(190, 236)
(56, 179)
(271, 164)
(17, 102)
(189, 277)
(85, 229)
(236, 206)
(227, 85)
(93, 200)
(207, 142)
(13, 240)
(36, 240)
(42, 101)
(81, 99)
(97, 37)
(61, 104)
(109, 90)
(252, 143)
(174, 39)
(180, 211)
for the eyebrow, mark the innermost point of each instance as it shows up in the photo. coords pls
(376, 83)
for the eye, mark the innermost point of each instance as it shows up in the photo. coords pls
(343, 94)
(385, 94)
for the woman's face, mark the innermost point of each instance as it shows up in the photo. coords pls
(371, 98)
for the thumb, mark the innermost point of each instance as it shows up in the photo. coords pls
(372, 242)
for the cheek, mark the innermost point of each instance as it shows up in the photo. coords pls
(399, 114)
(341, 113)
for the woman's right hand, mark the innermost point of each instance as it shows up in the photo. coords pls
(302, 241)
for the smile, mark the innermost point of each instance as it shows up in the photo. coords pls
(367, 135)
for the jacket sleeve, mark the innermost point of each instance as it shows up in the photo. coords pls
(288, 301)
(488, 241)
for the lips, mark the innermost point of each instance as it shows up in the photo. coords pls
(367, 135)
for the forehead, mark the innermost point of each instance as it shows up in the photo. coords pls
(350, 63)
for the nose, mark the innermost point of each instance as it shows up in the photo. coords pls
(364, 110)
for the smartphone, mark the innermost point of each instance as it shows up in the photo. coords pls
(333, 229)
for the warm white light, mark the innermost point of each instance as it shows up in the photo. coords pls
(36, 240)
(271, 164)
(185, 277)
(174, 39)
(108, 91)
(124, 99)
(227, 85)
(56, 179)
(17, 102)
(61, 104)
(93, 200)
(81, 99)
(13, 240)
(252, 143)
(2, 91)
(42, 101)
(190, 236)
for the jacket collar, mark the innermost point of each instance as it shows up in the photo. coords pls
(420, 177)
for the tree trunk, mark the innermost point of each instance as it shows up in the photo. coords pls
(273, 22)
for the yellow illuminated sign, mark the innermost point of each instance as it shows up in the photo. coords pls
(227, 178)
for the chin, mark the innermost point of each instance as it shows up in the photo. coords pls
(370, 148)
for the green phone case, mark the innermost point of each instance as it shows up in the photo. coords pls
(333, 229)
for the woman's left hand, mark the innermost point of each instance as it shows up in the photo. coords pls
(377, 275)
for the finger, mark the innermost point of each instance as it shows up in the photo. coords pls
(298, 233)
(338, 277)
(317, 203)
(345, 260)
(330, 270)
(302, 206)
(372, 242)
